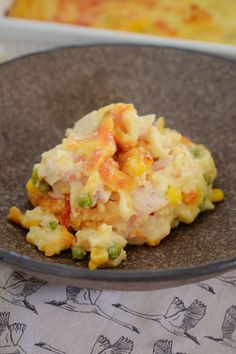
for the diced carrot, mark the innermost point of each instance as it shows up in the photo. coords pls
(185, 140)
(190, 198)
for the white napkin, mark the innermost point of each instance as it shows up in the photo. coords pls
(37, 317)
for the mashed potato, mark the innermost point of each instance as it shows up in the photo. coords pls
(116, 178)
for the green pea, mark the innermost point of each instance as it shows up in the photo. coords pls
(114, 251)
(77, 252)
(85, 201)
(43, 187)
(35, 177)
(53, 225)
(207, 178)
(195, 151)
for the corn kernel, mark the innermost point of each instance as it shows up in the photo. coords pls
(134, 167)
(29, 186)
(49, 250)
(31, 189)
(174, 195)
(98, 256)
(32, 218)
(92, 265)
(217, 195)
(15, 215)
(29, 223)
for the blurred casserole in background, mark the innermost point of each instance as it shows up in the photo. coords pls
(204, 20)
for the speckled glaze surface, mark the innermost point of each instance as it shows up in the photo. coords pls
(41, 95)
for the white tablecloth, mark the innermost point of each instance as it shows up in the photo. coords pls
(37, 317)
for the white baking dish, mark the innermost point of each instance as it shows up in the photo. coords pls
(18, 37)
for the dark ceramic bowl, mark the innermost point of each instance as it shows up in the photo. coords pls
(41, 95)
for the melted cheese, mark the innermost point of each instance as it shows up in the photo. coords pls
(207, 20)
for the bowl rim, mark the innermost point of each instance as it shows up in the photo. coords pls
(59, 48)
(58, 270)
(145, 276)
